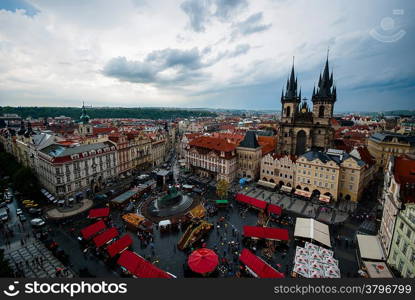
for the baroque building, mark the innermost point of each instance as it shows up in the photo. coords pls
(302, 128)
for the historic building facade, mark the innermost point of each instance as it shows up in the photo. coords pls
(397, 229)
(383, 145)
(300, 128)
(212, 157)
(64, 170)
(249, 153)
(279, 169)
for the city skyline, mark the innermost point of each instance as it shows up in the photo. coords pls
(213, 54)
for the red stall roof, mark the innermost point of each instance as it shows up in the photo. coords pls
(140, 267)
(266, 233)
(275, 209)
(105, 237)
(99, 213)
(258, 266)
(251, 201)
(93, 229)
(119, 245)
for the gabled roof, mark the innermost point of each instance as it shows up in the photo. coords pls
(249, 141)
(212, 143)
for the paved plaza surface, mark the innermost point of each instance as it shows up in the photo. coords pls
(163, 251)
(34, 260)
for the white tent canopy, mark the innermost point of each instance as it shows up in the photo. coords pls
(369, 247)
(164, 223)
(267, 184)
(312, 229)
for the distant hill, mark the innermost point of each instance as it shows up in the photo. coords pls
(105, 112)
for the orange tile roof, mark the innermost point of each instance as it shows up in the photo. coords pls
(404, 172)
(212, 143)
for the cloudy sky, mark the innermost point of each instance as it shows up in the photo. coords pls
(204, 53)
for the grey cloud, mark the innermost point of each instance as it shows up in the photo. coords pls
(251, 25)
(200, 12)
(185, 65)
(226, 8)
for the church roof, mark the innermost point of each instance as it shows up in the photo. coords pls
(249, 141)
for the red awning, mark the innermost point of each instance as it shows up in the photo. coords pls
(275, 209)
(259, 267)
(105, 237)
(93, 229)
(99, 213)
(251, 201)
(139, 267)
(203, 261)
(268, 233)
(119, 245)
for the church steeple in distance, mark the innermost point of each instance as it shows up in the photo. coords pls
(84, 117)
(291, 92)
(325, 89)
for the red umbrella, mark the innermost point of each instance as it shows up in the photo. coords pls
(203, 260)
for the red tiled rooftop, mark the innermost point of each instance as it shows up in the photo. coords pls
(212, 143)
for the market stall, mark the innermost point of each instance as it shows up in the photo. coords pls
(198, 212)
(132, 220)
(286, 189)
(125, 198)
(135, 265)
(203, 261)
(267, 184)
(274, 209)
(119, 245)
(93, 229)
(259, 204)
(221, 203)
(313, 230)
(314, 261)
(324, 198)
(258, 267)
(105, 237)
(98, 213)
(268, 233)
(302, 193)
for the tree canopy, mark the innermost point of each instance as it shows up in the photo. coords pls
(104, 112)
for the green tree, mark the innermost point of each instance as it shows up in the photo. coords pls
(25, 181)
(222, 189)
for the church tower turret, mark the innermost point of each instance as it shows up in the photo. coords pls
(324, 97)
(290, 100)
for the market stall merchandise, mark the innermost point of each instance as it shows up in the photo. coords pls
(258, 267)
(193, 233)
(203, 261)
(198, 212)
(314, 261)
(133, 220)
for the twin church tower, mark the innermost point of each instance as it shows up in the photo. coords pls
(302, 128)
